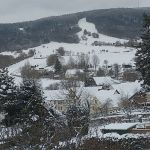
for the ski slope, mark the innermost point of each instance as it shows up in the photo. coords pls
(90, 27)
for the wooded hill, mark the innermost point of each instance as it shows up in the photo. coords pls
(120, 22)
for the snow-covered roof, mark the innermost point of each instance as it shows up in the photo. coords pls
(129, 89)
(125, 90)
(73, 71)
(51, 95)
(105, 80)
(45, 82)
(119, 126)
(21, 29)
(104, 95)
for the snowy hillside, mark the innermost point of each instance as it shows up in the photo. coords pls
(112, 54)
(90, 27)
(118, 55)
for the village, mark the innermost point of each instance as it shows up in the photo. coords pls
(108, 81)
(92, 85)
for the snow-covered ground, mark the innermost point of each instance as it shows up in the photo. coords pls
(14, 54)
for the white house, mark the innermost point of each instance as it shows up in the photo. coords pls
(72, 73)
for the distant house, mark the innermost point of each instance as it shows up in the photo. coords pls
(126, 66)
(141, 99)
(73, 73)
(130, 75)
(67, 53)
(100, 81)
(40, 69)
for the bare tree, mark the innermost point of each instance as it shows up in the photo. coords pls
(74, 92)
(95, 61)
(106, 66)
(28, 72)
(106, 107)
(78, 107)
(87, 60)
(61, 51)
(83, 61)
(126, 105)
(51, 60)
(116, 70)
(71, 62)
(130, 75)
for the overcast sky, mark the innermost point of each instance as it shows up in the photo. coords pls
(23, 10)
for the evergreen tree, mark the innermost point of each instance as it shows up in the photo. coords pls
(143, 53)
(78, 120)
(58, 67)
(100, 72)
(30, 100)
(28, 105)
(8, 90)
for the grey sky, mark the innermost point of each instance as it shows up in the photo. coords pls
(22, 10)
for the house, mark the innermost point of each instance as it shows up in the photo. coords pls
(101, 100)
(55, 99)
(67, 53)
(120, 128)
(127, 89)
(130, 75)
(141, 128)
(73, 73)
(141, 99)
(148, 99)
(124, 128)
(100, 81)
(126, 66)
